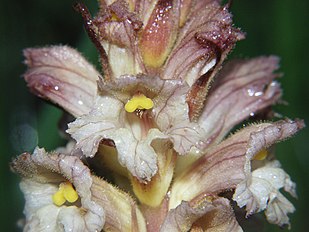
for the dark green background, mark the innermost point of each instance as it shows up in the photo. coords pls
(273, 27)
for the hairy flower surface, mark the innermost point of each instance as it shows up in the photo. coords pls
(157, 119)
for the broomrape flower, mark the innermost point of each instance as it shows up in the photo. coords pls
(158, 119)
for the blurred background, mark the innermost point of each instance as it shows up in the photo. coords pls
(273, 27)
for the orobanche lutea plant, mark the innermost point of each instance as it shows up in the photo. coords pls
(150, 147)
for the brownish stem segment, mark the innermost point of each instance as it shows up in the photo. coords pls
(90, 28)
(197, 95)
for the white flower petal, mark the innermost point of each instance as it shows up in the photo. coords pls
(277, 210)
(90, 129)
(171, 116)
(38, 221)
(71, 219)
(137, 155)
(261, 192)
(108, 121)
(37, 195)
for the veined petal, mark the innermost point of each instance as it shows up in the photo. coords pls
(228, 164)
(207, 32)
(206, 215)
(123, 60)
(201, 47)
(244, 88)
(137, 155)
(41, 174)
(117, 24)
(90, 129)
(263, 184)
(61, 75)
(127, 85)
(171, 116)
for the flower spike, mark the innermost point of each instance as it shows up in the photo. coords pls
(150, 145)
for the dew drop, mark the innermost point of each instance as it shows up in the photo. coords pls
(258, 93)
(250, 92)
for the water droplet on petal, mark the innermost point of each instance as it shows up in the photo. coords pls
(250, 92)
(258, 93)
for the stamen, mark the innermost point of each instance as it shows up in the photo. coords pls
(261, 155)
(65, 193)
(138, 102)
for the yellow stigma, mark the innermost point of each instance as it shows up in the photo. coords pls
(139, 101)
(65, 193)
(261, 155)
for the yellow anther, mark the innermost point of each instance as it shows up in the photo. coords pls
(261, 155)
(65, 193)
(58, 198)
(69, 192)
(140, 102)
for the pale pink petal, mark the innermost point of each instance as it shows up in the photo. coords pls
(127, 86)
(90, 129)
(170, 111)
(61, 75)
(208, 31)
(243, 88)
(216, 215)
(171, 116)
(201, 47)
